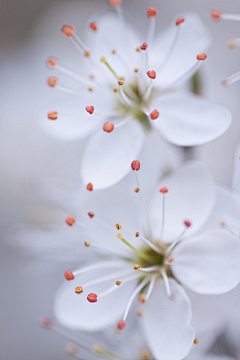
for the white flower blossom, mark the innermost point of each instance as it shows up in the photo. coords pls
(130, 84)
(152, 258)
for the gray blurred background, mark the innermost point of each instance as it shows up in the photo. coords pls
(28, 155)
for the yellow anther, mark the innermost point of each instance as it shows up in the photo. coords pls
(87, 243)
(196, 341)
(115, 90)
(118, 226)
(91, 76)
(78, 290)
(103, 59)
(87, 53)
(121, 82)
(113, 51)
(136, 267)
(119, 236)
(136, 70)
(118, 282)
(137, 234)
(145, 355)
(137, 49)
(90, 89)
(137, 190)
(139, 313)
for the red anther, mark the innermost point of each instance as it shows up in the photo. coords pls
(135, 165)
(70, 220)
(53, 115)
(89, 109)
(179, 21)
(154, 114)
(52, 62)
(68, 30)
(92, 298)
(69, 275)
(144, 46)
(121, 324)
(91, 214)
(114, 2)
(216, 14)
(46, 323)
(187, 223)
(93, 26)
(89, 187)
(163, 190)
(108, 127)
(151, 74)
(202, 56)
(52, 81)
(151, 12)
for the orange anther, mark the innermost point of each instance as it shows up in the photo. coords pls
(108, 127)
(216, 14)
(89, 109)
(93, 26)
(70, 220)
(202, 56)
(52, 81)
(121, 324)
(144, 46)
(114, 2)
(179, 21)
(89, 187)
(68, 30)
(151, 74)
(52, 62)
(163, 190)
(53, 115)
(69, 275)
(154, 114)
(91, 214)
(151, 12)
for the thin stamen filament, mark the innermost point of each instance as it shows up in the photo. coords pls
(115, 287)
(151, 245)
(174, 243)
(102, 279)
(172, 47)
(234, 17)
(163, 217)
(150, 268)
(166, 282)
(107, 354)
(124, 98)
(232, 79)
(148, 91)
(151, 286)
(102, 265)
(151, 30)
(134, 294)
(73, 75)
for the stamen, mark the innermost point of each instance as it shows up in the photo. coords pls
(123, 97)
(52, 62)
(151, 286)
(69, 275)
(231, 79)
(68, 30)
(144, 46)
(116, 286)
(150, 244)
(118, 282)
(201, 57)
(154, 114)
(118, 226)
(179, 21)
(149, 269)
(164, 191)
(151, 74)
(104, 61)
(114, 3)
(196, 341)
(167, 285)
(87, 243)
(121, 324)
(102, 279)
(79, 290)
(141, 254)
(105, 264)
(152, 13)
(93, 26)
(70, 220)
(53, 115)
(108, 127)
(89, 187)
(187, 224)
(90, 109)
(52, 81)
(134, 294)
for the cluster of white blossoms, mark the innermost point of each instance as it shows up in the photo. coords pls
(148, 254)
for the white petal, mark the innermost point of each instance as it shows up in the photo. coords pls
(226, 209)
(208, 263)
(167, 322)
(189, 120)
(194, 38)
(75, 312)
(236, 170)
(191, 196)
(107, 157)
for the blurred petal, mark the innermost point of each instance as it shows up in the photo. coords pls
(208, 263)
(167, 322)
(189, 120)
(107, 157)
(191, 197)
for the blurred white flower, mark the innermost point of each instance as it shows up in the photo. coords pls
(152, 257)
(129, 87)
